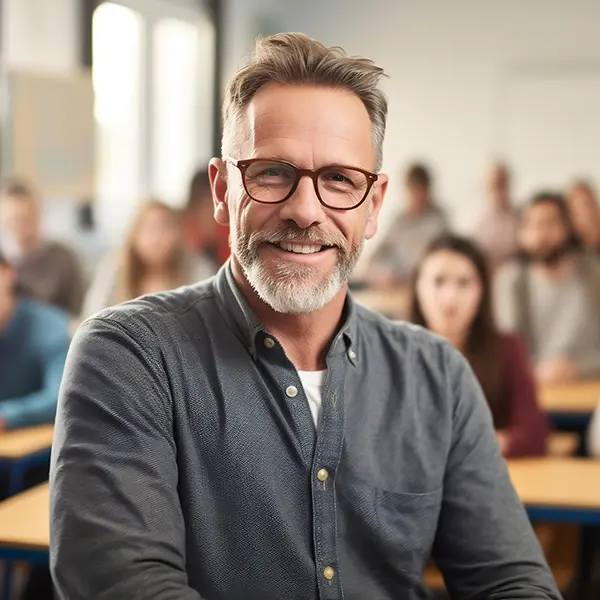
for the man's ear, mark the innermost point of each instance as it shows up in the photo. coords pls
(379, 191)
(218, 185)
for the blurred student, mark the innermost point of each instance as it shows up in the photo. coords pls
(153, 259)
(585, 214)
(551, 294)
(420, 221)
(47, 271)
(496, 230)
(452, 297)
(34, 339)
(203, 235)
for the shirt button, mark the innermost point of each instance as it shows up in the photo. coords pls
(322, 475)
(351, 355)
(328, 573)
(269, 342)
(291, 391)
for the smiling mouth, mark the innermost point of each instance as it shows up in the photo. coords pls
(301, 248)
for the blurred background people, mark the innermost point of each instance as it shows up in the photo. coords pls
(46, 270)
(451, 296)
(551, 295)
(203, 235)
(34, 339)
(496, 230)
(153, 258)
(585, 214)
(420, 221)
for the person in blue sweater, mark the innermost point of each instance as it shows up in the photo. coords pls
(34, 339)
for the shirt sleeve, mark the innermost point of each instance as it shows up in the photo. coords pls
(484, 546)
(40, 407)
(117, 529)
(528, 430)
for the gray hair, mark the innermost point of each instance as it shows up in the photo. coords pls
(295, 58)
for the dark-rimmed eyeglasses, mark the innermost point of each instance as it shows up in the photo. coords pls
(274, 181)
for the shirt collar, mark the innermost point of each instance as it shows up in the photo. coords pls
(248, 326)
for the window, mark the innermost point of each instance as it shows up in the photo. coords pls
(153, 82)
(117, 78)
(175, 124)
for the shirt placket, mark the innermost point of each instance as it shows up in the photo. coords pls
(324, 468)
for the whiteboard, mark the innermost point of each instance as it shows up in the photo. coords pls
(551, 129)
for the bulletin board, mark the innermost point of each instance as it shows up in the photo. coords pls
(49, 132)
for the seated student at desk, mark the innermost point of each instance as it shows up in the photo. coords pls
(451, 296)
(551, 294)
(34, 339)
(152, 259)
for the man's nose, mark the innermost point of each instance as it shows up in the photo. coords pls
(303, 207)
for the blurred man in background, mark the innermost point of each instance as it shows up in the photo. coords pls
(47, 271)
(34, 339)
(551, 295)
(421, 221)
(496, 230)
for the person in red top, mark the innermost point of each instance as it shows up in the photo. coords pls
(202, 234)
(451, 297)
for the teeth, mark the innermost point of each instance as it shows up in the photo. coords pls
(299, 248)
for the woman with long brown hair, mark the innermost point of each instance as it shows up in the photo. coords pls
(152, 259)
(452, 297)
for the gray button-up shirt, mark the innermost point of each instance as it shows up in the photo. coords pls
(185, 468)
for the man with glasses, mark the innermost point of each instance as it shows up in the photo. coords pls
(259, 436)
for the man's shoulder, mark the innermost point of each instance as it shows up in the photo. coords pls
(402, 337)
(173, 309)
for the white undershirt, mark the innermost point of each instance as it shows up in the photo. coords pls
(313, 383)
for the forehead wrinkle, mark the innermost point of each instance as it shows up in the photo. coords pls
(307, 139)
(271, 125)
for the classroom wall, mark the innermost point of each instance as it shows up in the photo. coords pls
(44, 36)
(453, 67)
(40, 35)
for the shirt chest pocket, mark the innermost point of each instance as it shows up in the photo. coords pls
(395, 529)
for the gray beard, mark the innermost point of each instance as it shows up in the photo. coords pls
(291, 288)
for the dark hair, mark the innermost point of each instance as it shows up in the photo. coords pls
(418, 173)
(483, 347)
(573, 242)
(199, 185)
(3, 261)
(15, 187)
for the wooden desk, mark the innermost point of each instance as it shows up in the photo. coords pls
(572, 402)
(559, 489)
(393, 303)
(25, 519)
(24, 531)
(24, 448)
(23, 442)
